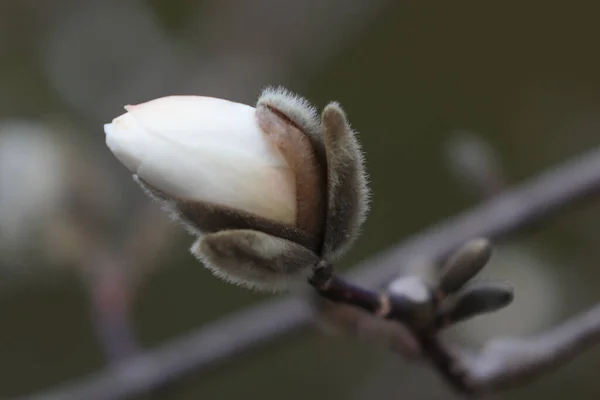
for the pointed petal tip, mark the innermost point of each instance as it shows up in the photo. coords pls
(108, 129)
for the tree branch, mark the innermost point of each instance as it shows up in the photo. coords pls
(219, 342)
(505, 362)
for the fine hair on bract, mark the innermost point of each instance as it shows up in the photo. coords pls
(332, 201)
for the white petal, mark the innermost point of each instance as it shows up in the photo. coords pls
(205, 149)
(196, 121)
(237, 182)
(127, 139)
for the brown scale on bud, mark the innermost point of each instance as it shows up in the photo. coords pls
(301, 158)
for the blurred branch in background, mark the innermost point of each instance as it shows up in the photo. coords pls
(58, 206)
(509, 361)
(114, 274)
(503, 216)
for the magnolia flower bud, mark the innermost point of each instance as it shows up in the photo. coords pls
(271, 191)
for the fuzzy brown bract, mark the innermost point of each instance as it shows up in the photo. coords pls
(348, 193)
(255, 259)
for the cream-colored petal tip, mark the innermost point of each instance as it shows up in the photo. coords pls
(109, 129)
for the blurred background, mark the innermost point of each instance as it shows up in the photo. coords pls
(453, 101)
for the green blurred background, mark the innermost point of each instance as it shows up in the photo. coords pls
(522, 77)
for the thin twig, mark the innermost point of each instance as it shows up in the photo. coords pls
(506, 362)
(110, 299)
(446, 363)
(219, 342)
